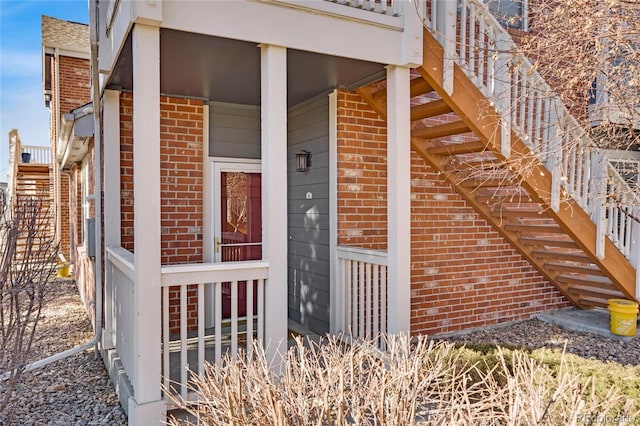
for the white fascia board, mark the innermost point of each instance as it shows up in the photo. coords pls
(69, 51)
(111, 46)
(280, 24)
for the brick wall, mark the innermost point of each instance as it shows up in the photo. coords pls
(181, 187)
(181, 179)
(463, 273)
(126, 171)
(75, 86)
(362, 174)
(74, 91)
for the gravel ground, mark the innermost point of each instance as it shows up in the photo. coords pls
(72, 391)
(77, 391)
(533, 334)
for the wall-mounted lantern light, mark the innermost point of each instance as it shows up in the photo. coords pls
(303, 161)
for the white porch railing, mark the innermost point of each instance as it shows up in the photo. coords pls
(387, 7)
(39, 154)
(361, 279)
(195, 326)
(122, 272)
(474, 40)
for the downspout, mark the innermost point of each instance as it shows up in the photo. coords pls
(56, 176)
(98, 210)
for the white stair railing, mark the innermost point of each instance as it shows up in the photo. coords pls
(487, 54)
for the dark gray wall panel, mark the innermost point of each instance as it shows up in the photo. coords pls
(234, 130)
(308, 219)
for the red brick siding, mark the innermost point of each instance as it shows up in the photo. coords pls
(362, 174)
(126, 171)
(181, 179)
(74, 91)
(181, 186)
(463, 273)
(75, 86)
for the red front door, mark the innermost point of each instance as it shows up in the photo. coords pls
(239, 230)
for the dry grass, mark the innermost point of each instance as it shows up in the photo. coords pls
(414, 382)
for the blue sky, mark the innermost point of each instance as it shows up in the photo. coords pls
(21, 101)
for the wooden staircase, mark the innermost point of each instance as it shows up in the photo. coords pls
(33, 187)
(458, 133)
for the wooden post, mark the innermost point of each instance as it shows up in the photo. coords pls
(274, 197)
(146, 406)
(399, 198)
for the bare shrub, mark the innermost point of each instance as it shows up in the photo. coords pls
(28, 253)
(415, 382)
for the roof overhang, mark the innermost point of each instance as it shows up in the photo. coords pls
(76, 134)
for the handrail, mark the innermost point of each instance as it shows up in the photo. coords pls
(123, 260)
(473, 39)
(190, 273)
(362, 255)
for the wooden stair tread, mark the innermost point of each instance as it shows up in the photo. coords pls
(457, 149)
(500, 182)
(593, 301)
(537, 241)
(534, 229)
(480, 165)
(430, 109)
(577, 256)
(518, 212)
(419, 86)
(441, 130)
(574, 268)
(592, 281)
(611, 293)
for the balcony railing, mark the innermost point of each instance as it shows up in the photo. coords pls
(38, 154)
(386, 7)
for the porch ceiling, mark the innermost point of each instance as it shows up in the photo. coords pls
(226, 70)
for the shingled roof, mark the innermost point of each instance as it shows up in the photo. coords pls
(64, 34)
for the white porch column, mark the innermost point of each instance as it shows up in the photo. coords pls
(399, 198)
(274, 194)
(111, 188)
(146, 406)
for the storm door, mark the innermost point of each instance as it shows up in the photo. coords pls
(237, 224)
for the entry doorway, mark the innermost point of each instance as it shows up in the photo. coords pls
(237, 224)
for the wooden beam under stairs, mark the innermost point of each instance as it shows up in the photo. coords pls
(430, 109)
(442, 130)
(457, 149)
